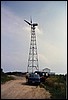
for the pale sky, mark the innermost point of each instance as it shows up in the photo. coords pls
(51, 34)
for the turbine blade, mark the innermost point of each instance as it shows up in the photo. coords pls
(27, 22)
(30, 19)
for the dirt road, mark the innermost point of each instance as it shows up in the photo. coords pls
(18, 89)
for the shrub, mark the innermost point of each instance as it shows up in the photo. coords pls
(5, 77)
(57, 87)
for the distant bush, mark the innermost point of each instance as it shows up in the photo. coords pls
(1, 70)
(57, 86)
(16, 73)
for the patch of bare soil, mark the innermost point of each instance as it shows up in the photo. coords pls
(18, 89)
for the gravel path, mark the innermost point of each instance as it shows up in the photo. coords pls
(18, 89)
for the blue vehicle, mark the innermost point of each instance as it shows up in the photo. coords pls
(33, 78)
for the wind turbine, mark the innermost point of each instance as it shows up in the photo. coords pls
(33, 56)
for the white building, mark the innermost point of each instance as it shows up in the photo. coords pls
(46, 70)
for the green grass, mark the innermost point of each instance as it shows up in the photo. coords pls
(5, 77)
(56, 86)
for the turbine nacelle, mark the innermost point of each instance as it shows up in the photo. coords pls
(34, 24)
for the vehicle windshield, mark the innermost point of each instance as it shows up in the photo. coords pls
(34, 75)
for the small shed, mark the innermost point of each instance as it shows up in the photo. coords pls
(46, 70)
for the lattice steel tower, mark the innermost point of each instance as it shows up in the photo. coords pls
(33, 56)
